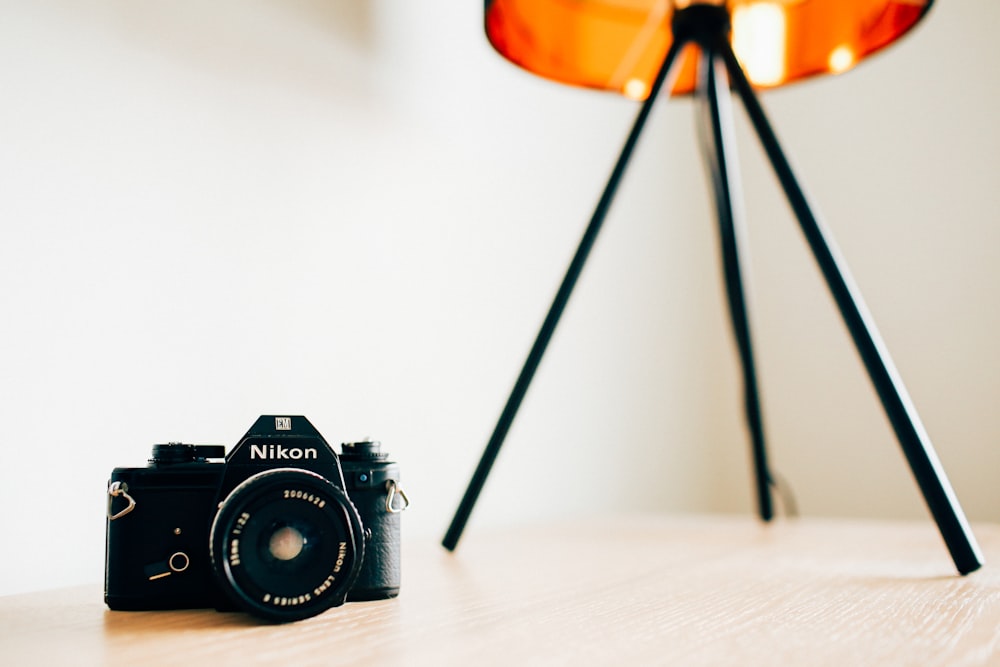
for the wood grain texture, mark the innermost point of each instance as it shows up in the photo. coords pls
(612, 590)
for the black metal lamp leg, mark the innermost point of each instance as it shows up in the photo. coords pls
(482, 471)
(720, 154)
(913, 439)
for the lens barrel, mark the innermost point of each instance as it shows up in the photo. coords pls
(286, 544)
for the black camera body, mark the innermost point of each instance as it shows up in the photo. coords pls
(283, 528)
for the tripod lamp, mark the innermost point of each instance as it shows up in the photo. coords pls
(713, 49)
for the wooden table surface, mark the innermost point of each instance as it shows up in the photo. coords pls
(608, 591)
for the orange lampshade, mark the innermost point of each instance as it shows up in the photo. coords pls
(618, 45)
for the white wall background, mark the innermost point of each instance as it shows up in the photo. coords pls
(356, 211)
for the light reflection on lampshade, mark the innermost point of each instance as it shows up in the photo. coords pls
(618, 45)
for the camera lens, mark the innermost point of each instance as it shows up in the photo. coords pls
(287, 544)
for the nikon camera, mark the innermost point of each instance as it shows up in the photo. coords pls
(283, 528)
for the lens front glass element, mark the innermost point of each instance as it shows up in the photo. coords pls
(285, 544)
